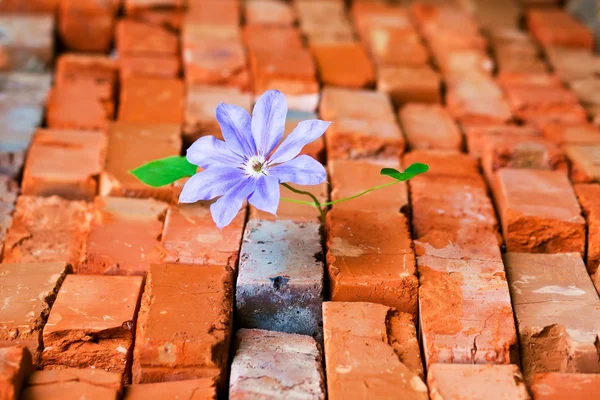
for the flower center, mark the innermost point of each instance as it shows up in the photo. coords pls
(255, 166)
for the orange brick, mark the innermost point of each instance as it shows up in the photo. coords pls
(589, 198)
(363, 138)
(344, 65)
(463, 61)
(324, 22)
(295, 212)
(368, 16)
(205, 388)
(572, 64)
(571, 133)
(404, 85)
(215, 12)
(87, 25)
(561, 386)
(274, 38)
(429, 127)
(73, 382)
(170, 18)
(477, 136)
(558, 27)
(445, 164)
(15, 366)
(522, 80)
(149, 100)
(33, 6)
(338, 103)
(396, 48)
(585, 163)
(267, 12)
(136, 38)
(149, 67)
(72, 68)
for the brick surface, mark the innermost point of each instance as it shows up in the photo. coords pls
(338, 103)
(266, 12)
(575, 133)
(72, 384)
(295, 212)
(34, 6)
(257, 37)
(74, 67)
(477, 136)
(345, 65)
(556, 306)
(149, 67)
(326, 22)
(47, 229)
(124, 237)
(281, 274)
(75, 18)
(572, 64)
(585, 163)
(276, 365)
(558, 27)
(445, 164)
(8, 196)
(589, 198)
(155, 101)
(189, 389)
(360, 356)
(184, 325)
(15, 365)
(557, 386)
(136, 38)
(470, 382)
(92, 323)
(151, 142)
(28, 292)
(429, 127)
(539, 211)
(408, 84)
(28, 42)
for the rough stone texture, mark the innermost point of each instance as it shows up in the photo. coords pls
(15, 366)
(92, 323)
(589, 198)
(370, 258)
(28, 292)
(557, 386)
(184, 325)
(152, 100)
(585, 163)
(27, 42)
(344, 64)
(124, 237)
(72, 384)
(576, 134)
(64, 163)
(280, 279)
(473, 382)
(151, 141)
(273, 365)
(194, 389)
(8, 196)
(190, 236)
(557, 310)
(429, 126)
(292, 211)
(410, 84)
(478, 136)
(361, 357)
(539, 211)
(47, 229)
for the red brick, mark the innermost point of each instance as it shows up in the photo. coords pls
(133, 6)
(360, 354)
(87, 25)
(463, 61)
(539, 211)
(572, 64)
(522, 80)
(213, 13)
(472, 382)
(155, 101)
(338, 103)
(563, 113)
(586, 91)
(151, 142)
(92, 322)
(585, 163)
(292, 211)
(47, 229)
(149, 67)
(274, 38)
(557, 309)
(9, 189)
(28, 43)
(397, 48)
(345, 65)
(171, 18)
(136, 38)
(72, 68)
(477, 135)
(324, 22)
(268, 12)
(184, 325)
(571, 133)
(589, 198)
(29, 7)
(557, 386)
(64, 163)
(445, 164)
(72, 384)
(188, 389)
(369, 16)
(124, 238)
(532, 100)
(558, 27)
(282, 365)
(429, 127)
(410, 84)
(191, 237)
(15, 366)
(28, 292)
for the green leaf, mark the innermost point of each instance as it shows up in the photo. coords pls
(162, 172)
(410, 172)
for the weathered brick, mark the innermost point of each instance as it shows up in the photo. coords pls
(47, 229)
(410, 84)
(471, 382)
(28, 42)
(124, 238)
(557, 386)
(72, 384)
(9, 190)
(539, 211)
(151, 141)
(361, 357)
(428, 126)
(15, 366)
(523, 80)
(346, 65)
(574, 133)
(184, 324)
(151, 100)
(276, 364)
(215, 13)
(33, 6)
(191, 237)
(462, 61)
(69, 108)
(188, 389)
(589, 198)
(149, 67)
(92, 323)
(295, 212)
(338, 103)
(267, 12)
(585, 163)
(533, 103)
(140, 39)
(102, 70)
(556, 307)
(28, 292)
(87, 25)
(280, 279)
(477, 136)
(324, 22)
(445, 164)
(572, 64)
(558, 27)
(274, 38)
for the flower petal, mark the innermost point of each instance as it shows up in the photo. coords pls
(266, 195)
(236, 126)
(226, 208)
(302, 170)
(268, 121)
(306, 132)
(210, 183)
(210, 151)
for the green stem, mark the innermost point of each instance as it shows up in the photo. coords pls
(329, 203)
(315, 202)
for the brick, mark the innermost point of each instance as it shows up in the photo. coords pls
(28, 42)
(315, 149)
(274, 38)
(102, 70)
(324, 22)
(72, 384)
(184, 325)
(92, 323)
(571, 133)
(369, 15)
(557, 386)
(190, 237)
(392, 47)
(268, 12)
(539, 211)
(28, 292)
(522, 80)
(15, 366)
(337, 103)
(34, 6)
(201, 105)
(139, 39)
(132, 6)
(345, 65)
(276, 364)
(445, 164)
(429, 127)
(563, 113)
(360, 355)
(586, 91)
(477, 136)
(408, 84)
(558, 27)
(75, 19)
(531, 99)
(370, 258)
(295, 212)
(171, 18)
(202, 388)
(572, 64)
(149, 67)
(47, 229)
(64, 163)
(588, 196)
(148, 100)
(281, 274)
(556, 307)
(9, 189)
(124, 238)
(463, 61)
(152, 141)
(215, 13)
(585, 163)
(470, 382)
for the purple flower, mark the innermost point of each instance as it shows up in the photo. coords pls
(249, 164)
